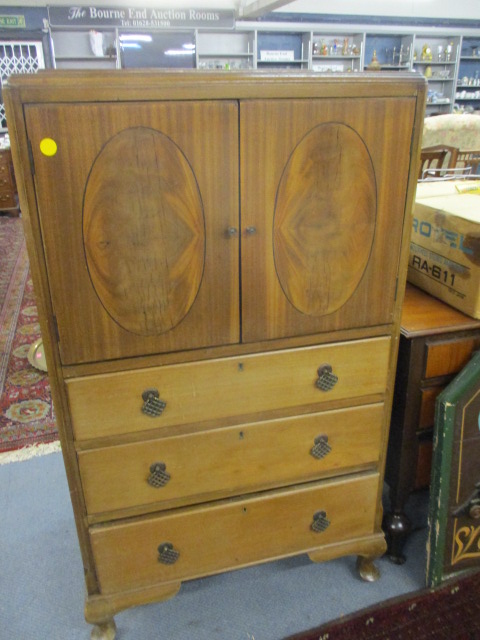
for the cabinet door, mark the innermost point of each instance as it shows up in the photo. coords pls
(135, 203)
(323, 193)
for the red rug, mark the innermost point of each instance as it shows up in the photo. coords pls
(449, 612)
(26, 411)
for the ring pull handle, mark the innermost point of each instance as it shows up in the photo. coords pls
(159, 475)
(320, 522)
(320, 448)
(326, 378)
(153, 406)
(167, 554)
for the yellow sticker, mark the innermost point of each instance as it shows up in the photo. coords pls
(48, 147)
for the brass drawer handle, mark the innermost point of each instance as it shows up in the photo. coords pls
(159, 475)
(153, 406)
(167, 554)
(320, 521)
(326, 378)
(320, 448)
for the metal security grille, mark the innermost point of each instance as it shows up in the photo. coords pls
(18, 57)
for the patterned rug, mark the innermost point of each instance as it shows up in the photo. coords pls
(448, 612)
(26, 411)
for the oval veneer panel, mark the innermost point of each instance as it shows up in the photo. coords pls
(144, 231)
(324, 221)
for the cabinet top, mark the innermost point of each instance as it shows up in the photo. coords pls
(133, 84)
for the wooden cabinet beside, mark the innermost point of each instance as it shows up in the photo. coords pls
(8, 188)
(220, 272)
(436, 342)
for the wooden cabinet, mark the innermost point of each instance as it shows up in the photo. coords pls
(220, 308)
(436, 342)
(8, 188)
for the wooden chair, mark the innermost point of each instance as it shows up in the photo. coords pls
(468, 160)
(433, 159)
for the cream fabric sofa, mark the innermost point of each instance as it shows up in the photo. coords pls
(454, 130)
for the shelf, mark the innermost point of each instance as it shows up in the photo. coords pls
(340, 57)
(225, 55)
(391, 67)
(85, 58)
(434, 63)
(281, 62)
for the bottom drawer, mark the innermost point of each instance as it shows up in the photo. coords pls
(192, 542)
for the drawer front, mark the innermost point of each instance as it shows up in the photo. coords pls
(5, 183)
(446, 358)
(223, 462)
(7, 199)
(232, 534)
(218, 389)
(427, 407)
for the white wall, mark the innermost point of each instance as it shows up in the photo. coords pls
(466, 9)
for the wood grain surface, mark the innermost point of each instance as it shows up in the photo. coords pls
(324, 220)
(144, 231)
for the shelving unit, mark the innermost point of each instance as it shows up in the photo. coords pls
(283, 50)
(393, 51)
(85, 49)
(437, 59)
(468, 80)
(453, 70)
(337, 52)
(233, 50)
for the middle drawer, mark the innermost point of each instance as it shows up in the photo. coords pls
(201, 466)
(224, 388)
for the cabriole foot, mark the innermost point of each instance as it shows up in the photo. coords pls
(104, 631)
(366, 568)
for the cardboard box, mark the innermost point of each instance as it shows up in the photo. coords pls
(445, 243)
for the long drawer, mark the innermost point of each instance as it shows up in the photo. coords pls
(229, 461)
(118, 403)
(197, 541)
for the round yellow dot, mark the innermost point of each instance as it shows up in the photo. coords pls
(48, 147)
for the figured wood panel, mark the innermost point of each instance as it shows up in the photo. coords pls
(333, 218)
(167, 197)
(229, 535)
(324, 219)
(230, 461)
(146, 269)
(111, 404)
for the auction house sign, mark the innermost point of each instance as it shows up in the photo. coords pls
(138, 17)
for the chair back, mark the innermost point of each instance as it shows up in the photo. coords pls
(434, 159)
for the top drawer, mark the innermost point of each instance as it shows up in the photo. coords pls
(209, 390)
(449, 357)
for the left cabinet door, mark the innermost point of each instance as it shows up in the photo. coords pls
(138, 205)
